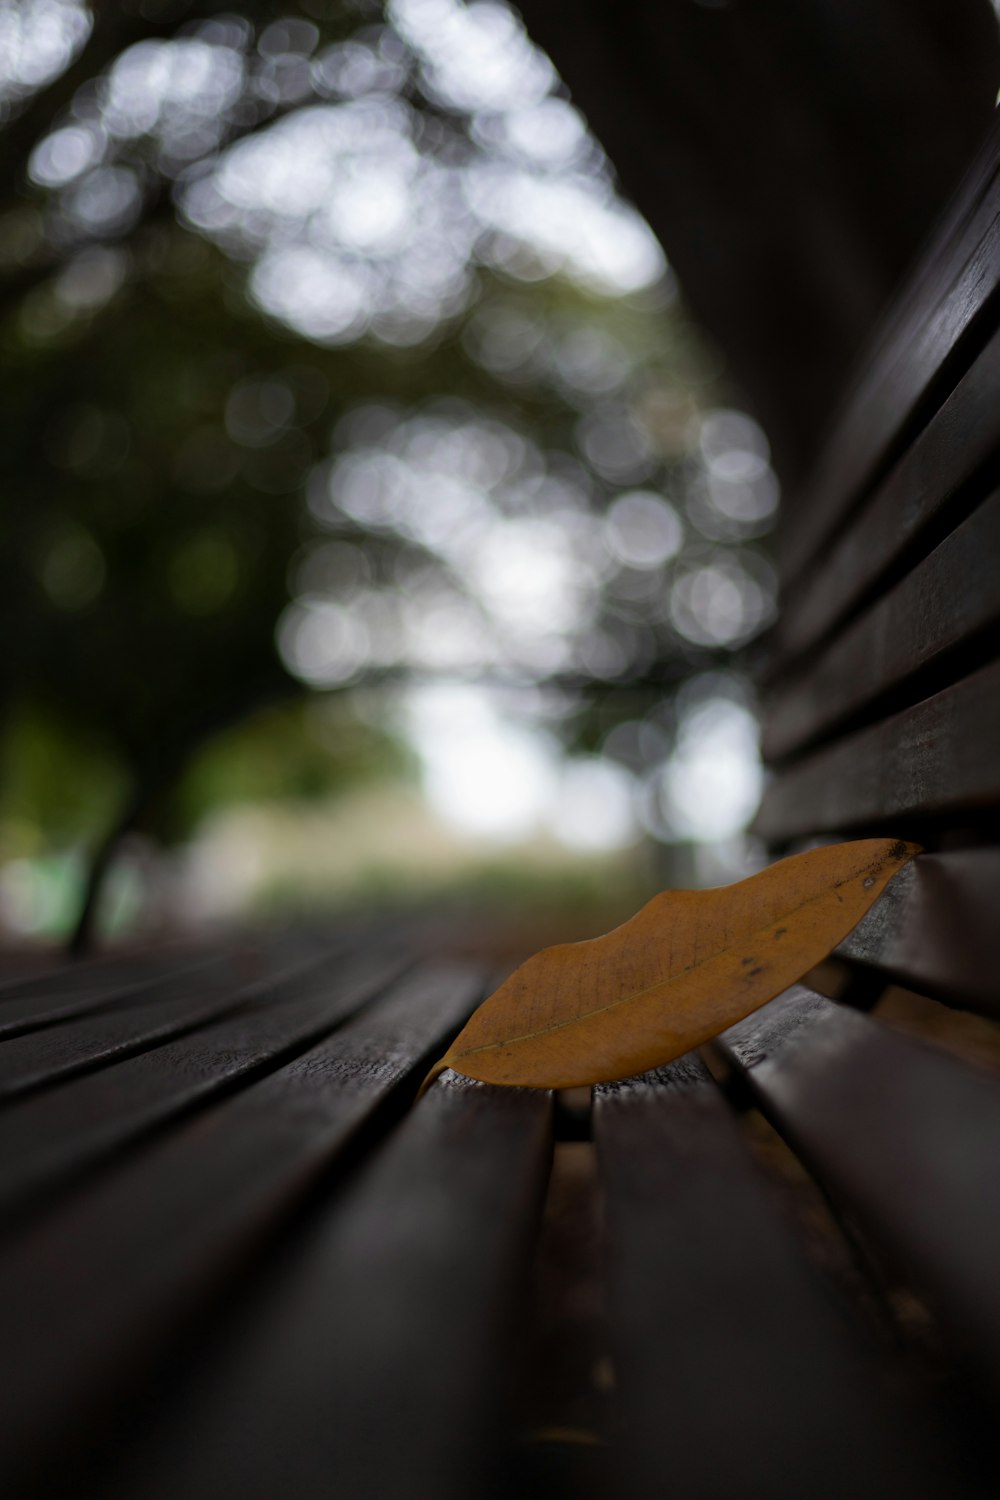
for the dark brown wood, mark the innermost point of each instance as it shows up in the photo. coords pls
(957, 442)
(737, 1374)
(54, 1136)
(156, 1241)
(21, 1012)
(949, 291)
(942, 605)
(790, 157)
(935, 929)
(47, 1037)
(938, 757)
(86, 977)
(372, 1362)
(907, 1140)
(137, 1021)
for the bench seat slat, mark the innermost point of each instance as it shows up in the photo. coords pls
(23, 1014)
(956, 443)
(155, 1240)
(906, 1139)
(937, 757)
(51, 1136)
(90, 977)
(133, 1023)
(934, 929)
(371, 1362)
(738, 1374)
(57, 1044)
(946, 600)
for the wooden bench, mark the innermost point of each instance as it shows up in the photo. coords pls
(237, 1261)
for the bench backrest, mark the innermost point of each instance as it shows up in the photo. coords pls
(882, 694)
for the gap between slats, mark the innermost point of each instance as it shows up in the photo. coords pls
(174, 1228)
(940, 479)
(902, 1136)
(928, 762)
(940, 623)
(52, 1140)
(864, 444)
(375, 1355)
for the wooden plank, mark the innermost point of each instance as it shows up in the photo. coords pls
(52, 1137)
(946, 601)
(21, 1014)
(95, 1293)
(29, 998)
(138, 1020)
(721, 1328)
(958, 441)
(43, 1046)
(938, 757)
(907, 1140)
(949, 291)
(92, 976)
(934, 929)
(373, 1359)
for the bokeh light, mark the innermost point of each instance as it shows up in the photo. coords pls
(442, 422)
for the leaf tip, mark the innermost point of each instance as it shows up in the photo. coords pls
(433, 1073)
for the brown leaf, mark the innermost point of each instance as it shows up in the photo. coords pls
(685, 967)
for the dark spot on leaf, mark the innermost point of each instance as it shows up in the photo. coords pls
(780, 931)
(752, 972)
(898, 850)
(745, 961)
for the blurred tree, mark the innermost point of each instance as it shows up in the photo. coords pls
(307, 381)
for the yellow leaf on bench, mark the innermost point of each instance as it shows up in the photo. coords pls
(685, 967)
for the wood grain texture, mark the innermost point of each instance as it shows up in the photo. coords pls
(23, 1012)
(949, 290)
(957, 442)
(940, 757)
(373, 1359)
(935, 929)
(68, 1044)
(939, 607)
(98, 976)
(57, 1135)
(155, 1242)
(721, 1327)
(905, 1138)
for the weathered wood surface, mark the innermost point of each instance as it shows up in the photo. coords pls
(56, 1135)
(116, 1272)
(98, 976)
(907, 1140)
(26, 1007)
(926, 485)
(950, 291)
(935, 929)
(938, 757)
(737, 1374)
(60, 1045)
(932, 616)
(374, 1358)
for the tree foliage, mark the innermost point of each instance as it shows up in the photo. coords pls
(304, 385)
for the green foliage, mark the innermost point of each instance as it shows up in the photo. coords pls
(171, 421)
(300, 752)
(56, 785)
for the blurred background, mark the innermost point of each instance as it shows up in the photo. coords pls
(378, 524)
